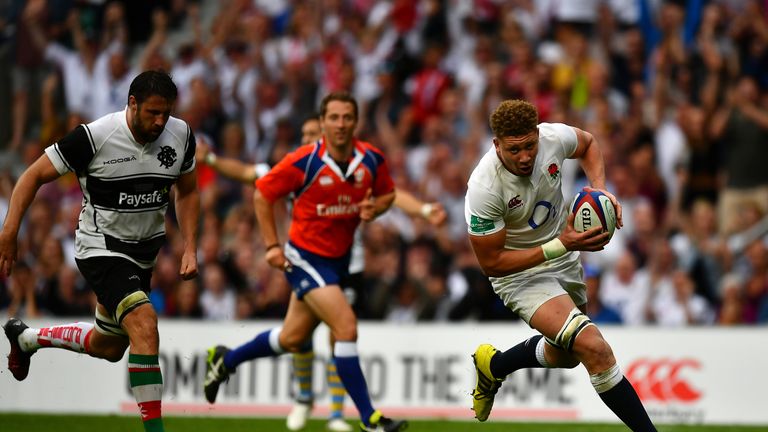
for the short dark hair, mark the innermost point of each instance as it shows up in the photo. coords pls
(514, 118)
(153, 83)
(341, 96)
(313, 116)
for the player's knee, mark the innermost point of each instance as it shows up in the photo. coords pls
(114, 355)
(136, 315)
(346, 332)
(576, 324)
(592, 349)
(112, 352)
(292, 343)
(569, 363)
(560, 358)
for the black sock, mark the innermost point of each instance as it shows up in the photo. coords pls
(520, 356)
(623, 401)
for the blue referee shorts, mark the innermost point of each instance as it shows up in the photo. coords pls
(310, 270)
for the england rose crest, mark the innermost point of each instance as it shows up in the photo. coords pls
(553, 170)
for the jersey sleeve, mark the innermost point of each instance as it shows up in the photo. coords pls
(483, 211)
(74, 152)
(568, 138)
(383, 184)
(281, 180)
(189, 154)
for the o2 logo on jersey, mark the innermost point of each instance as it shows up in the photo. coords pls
(542, 212)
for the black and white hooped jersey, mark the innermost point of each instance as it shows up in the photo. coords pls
(125, 184)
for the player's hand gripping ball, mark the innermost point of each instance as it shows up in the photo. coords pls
(593, 208)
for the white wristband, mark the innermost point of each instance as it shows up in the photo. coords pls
(261, 170)
(210, 159)
(553, 249)
(426, 210)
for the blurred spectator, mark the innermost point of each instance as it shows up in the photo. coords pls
(76, 65)
(676, 93)
(187, 302)
(23, 298)
(732, 300)
(596, 310)
(626, 289)
(681, 306)
(218, 299)
(743, 123)
(640, 243)
(428, 84)
(754, 271)
(699, 248)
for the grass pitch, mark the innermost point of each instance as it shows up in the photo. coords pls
(81, 423)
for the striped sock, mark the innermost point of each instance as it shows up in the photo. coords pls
(147, 387)
(336, 389)
(348, 366)
(302, 371)
(72, 337)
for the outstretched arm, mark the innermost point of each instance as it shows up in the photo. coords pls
(228, 167)
(40, 172)
(433, 212)
(187, 213)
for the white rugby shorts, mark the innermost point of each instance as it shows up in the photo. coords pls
(524, 294)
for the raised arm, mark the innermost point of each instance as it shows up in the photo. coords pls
(156, 41)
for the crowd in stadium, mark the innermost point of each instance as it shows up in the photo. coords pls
(676, 93)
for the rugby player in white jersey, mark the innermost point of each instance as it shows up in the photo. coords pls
(522, 234)
(126, 163)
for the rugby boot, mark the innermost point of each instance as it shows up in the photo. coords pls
(215, 372)
(379, 423)
(18, 360)
(487, 385)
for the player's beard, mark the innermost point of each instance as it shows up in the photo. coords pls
(146, 135)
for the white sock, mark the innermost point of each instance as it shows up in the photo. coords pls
(540, 353)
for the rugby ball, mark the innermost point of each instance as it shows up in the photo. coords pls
(593, 208)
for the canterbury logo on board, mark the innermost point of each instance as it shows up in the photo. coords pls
(663, 380)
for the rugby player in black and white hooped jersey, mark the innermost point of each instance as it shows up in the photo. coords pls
(126, 163)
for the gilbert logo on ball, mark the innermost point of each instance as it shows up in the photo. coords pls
(593, 208)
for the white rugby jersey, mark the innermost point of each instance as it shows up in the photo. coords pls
(125, 184)
(531, 209)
